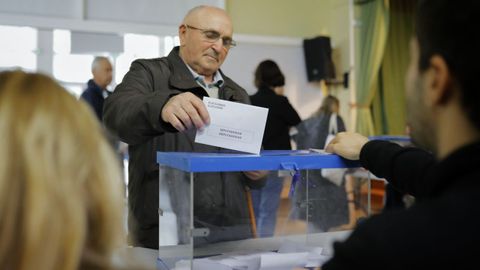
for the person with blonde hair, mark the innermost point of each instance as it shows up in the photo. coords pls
(60, 198)
(329, 207)
(329, 106)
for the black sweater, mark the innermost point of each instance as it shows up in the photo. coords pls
(442, 229)
(281, 116)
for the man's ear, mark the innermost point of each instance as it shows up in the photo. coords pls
(440, 89)
(182, 29)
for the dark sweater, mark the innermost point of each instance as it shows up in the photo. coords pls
(441, 231)
(281, 116)
(93, 95)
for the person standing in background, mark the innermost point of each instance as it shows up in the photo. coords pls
(96, 91)
(270, 81)
(314, 131)
(328, 205)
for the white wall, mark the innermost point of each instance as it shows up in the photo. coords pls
(166, 12)
(161, 17)
(243, 59)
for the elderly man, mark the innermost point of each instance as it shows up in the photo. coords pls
(441, 231)
(158, 107)
(96, 90)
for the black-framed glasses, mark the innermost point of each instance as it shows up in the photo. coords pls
(212, 36)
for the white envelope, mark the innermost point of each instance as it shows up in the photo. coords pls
(233, 126)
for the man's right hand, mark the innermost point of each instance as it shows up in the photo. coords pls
(347, 145)
(184, 111)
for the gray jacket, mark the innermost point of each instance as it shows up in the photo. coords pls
(327, 203)
(133, 113)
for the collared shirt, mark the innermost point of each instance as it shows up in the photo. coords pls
(105, 93)
(211, 88)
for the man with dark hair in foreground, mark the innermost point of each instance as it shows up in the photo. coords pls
(441, 231)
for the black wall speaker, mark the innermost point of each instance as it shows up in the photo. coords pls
(318, 59)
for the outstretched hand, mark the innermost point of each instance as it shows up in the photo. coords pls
(184, 111)
(347, 145)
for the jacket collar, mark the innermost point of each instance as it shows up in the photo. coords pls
(181, 78)
(92, 85)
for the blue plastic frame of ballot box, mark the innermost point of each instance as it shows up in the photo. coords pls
(398, 138)
(267, 160)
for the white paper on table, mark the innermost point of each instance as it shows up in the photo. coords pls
(233, 126)
(206, 264)
(264, 260)
(315, 258)
(182, 265)
(282, 261)
(320, 151)
(225, 262)
(252, 260)
(289, 246)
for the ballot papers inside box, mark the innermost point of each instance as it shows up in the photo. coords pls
(206, 211)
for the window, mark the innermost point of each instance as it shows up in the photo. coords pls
(135, 47)
(18, 48)
(169, 42)
(72, 70)
(142, 46)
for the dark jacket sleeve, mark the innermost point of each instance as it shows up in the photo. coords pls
(404, 167)
(132, 112)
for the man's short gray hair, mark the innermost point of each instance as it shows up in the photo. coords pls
(98, 59)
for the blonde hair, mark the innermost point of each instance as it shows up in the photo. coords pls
(327, 106)
(60, 184)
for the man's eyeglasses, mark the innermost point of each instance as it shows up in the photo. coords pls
(212, 36)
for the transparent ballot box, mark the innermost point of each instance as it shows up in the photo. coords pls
(211, 211)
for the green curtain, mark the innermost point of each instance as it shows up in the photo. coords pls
(373, 18)
(389, 105)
